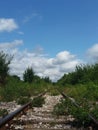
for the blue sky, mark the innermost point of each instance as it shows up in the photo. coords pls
(52, 29)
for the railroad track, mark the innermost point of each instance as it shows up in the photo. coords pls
(6, 122)
(94, 121)
(36, 118)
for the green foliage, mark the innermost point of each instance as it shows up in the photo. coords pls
(86, 96)
(38, 101)
(4, 67)
(47, 79)
(59, 109)
(14, 89)
(3, 112)
(81, 85)
(81, 117)
(82, 75)
(94, 112)
(66, 107)
(28, 75)
(23, 100)
(15, 77)
(53, 91)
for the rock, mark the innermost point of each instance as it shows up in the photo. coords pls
(39, 118)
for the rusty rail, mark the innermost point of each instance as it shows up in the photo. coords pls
(76, 104)
(7, 120)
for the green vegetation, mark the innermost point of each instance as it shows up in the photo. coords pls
(3, 112)
(4, 67)
(38, 101)
(23, 100)
(81, 85)
(83, 74)
(60, 108)
(15, 89)
(28, 75)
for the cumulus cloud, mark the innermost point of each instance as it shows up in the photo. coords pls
(10, 46)
(43, 66)
(63, 57)
(92, 52)
(7, 24)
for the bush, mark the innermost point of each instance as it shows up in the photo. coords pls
(53, 91)
(28, 75)
(80, 115)
(38, 101)
(94, 112)
(23, 100)
(14, 90)
(3, 112)
(59, 109)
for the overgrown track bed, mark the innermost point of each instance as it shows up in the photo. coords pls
(94, 124)
(40, 118)
(7, 121)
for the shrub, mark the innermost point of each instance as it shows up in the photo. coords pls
(59, 109)
(94, 112)
(80, 115)
(28, 75)
(23, 100)
(38, 101)
(3, 112)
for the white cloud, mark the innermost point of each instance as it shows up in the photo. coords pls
(63, 57)
(21, 33)
(32, 16)
(7, 25)
(43, 66)
(92, 52)
(10, 46)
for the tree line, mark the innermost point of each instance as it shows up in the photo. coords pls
(28, 75)
(83, 74)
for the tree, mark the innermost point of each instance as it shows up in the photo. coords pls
(28, 75)
(47, 79)
(5, 60)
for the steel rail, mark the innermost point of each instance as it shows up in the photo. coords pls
(76, 104)
(9, 117)
(6, 121)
